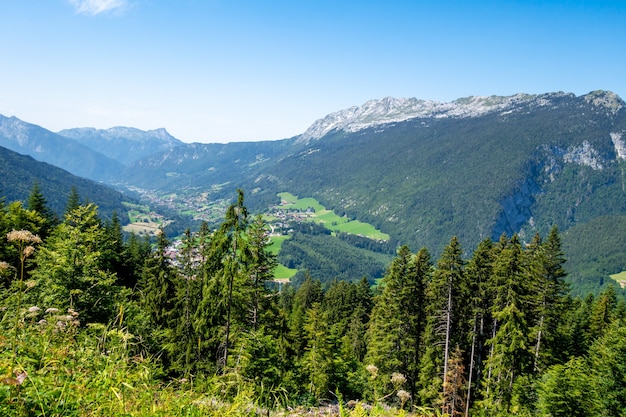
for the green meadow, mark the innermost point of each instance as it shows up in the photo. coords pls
(330, 219)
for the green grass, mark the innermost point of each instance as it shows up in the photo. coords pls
(282, 272)
(300, 203)
(330, 219)
(356, 227)
(276, 244)
(621, 277)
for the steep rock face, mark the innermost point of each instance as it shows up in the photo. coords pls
(517, 208)
(620, 144)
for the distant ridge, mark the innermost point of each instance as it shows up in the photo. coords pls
(46, 146)
(123, 144)
(391, 110)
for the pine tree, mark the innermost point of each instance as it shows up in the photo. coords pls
(606, 357)
(234, 227)
(447, 322)
(397, 321)
(188, 293)
(317, 361)
(309, 293)
(38, 203)
(568, 390)
(158, 285)
(260, 268)
(72, 271)
(73, 201)
(478, 272)
(509, 356)
(546, 275)
(603, 312)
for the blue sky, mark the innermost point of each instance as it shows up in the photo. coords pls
(229, 70)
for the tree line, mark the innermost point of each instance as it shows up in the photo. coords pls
(495, 334)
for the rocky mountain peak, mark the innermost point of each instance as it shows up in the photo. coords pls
(121, 133)
(606, 99)
(392, 110)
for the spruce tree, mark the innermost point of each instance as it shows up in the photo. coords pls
(478, 273)
(397, 321)
(447, 322)
(510, 356)
(546, 275)
(38, 203)
(73, 201)
(72, 270)
(158, 285)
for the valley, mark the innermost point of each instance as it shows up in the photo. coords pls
(389, 172)
(356, 259)
(144, 219)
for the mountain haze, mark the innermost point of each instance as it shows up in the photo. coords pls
(123, 144)
(46, 146)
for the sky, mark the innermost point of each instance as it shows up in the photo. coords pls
(217, 71)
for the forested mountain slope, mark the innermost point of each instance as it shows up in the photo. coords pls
(18, 174)
(550, 160)
(420, 171)
(424, 171)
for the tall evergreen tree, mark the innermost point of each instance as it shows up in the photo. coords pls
(72, 271)
(546, 275)
(447, 322)
(510, 356)
(158, 285)
(478, 273)
(260, 269)
(397, 321)
(73, 201)
(38, 203)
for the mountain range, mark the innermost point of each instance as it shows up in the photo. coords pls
(420, 171)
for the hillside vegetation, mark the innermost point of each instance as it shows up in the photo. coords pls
(96, 325)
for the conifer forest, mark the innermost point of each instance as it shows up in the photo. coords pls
(98, 323)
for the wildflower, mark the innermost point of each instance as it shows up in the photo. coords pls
(403, 396)
(52, 310)
(373, 370)
(42, 322)
(30, 283)
(4, 266)
(72, 312)
(23, 236)
(61, 325)
(33, 309)
(397, 378)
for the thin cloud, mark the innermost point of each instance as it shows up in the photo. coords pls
(96, 7)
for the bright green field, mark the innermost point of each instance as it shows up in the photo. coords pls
(621, 277)
(332, 221)
(276, 244)
(281, 271)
